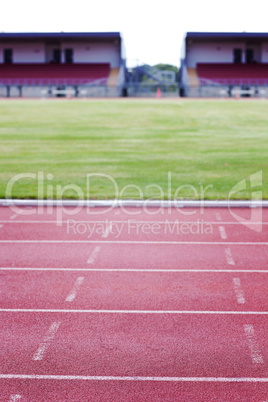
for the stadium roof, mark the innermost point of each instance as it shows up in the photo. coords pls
(227, 35)
(59, 35)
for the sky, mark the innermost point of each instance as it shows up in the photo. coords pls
(153, 32)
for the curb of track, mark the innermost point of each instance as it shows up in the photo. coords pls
(137, 203)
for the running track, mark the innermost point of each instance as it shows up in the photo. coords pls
(128, 305)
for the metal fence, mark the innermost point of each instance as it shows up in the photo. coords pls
(89, 91)
(134, 91)
(225, 91)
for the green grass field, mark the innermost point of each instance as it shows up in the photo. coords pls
(199, 144)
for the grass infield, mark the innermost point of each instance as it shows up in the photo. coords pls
(152, 148)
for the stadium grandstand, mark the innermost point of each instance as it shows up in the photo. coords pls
(78, 64)
(224, 64)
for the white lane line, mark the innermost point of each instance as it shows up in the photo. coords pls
(26, 310)
(168, 222)
(134, 378)
(13, 216)
(1, 226)
(240, 297)
(107, 231)
(14, 398)
(93, 255)
(254, 348)
(248, 271)
(201, 243)
(222, 232)
(229, 256)
(72, 295)
(39, 354)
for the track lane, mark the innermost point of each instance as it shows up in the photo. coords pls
(134, 345)
(146, 214)
(132, 230)
(134, 290)
(44, 390)
(145, 256)
(151, 344)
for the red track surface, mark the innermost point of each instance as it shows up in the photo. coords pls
(132, 308)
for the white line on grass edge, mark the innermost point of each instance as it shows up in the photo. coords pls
(138, 203)
(131, 378)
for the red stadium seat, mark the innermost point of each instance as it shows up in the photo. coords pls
(233, 74)
(53, 74)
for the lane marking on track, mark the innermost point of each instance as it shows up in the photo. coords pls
(218, 216)
(93, 255)
(14, 398)
(201, 243)
(248, 271)
(13, 216)
(240, 297)
(1, 226)
(107, 231)
(72, 295)
(27, 310)
(229, 256)
(134, 378)
(222, 232)
(167, 222)
(39, 354)
(255, 352)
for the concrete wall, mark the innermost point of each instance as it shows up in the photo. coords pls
(121, 75)
(222, 52)
(264, 52)
(82, 52)
(31, 53)
(210, 53)
(94, 53)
